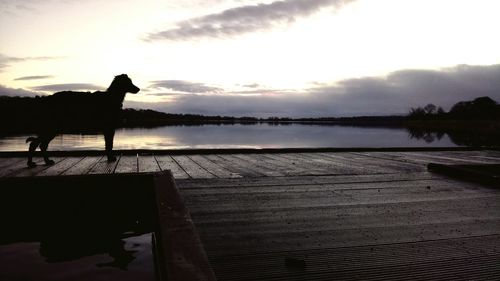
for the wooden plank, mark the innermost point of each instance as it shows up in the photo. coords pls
(234, 166)
(250, 163)
(475, 157)
(293, 237)
(387, 163)
(322, 165)
(256, 215)
(83, 166)
(104, 167)
(421, 159)
(60, 167)
(9, 161)
(31, 172)
(467, 258)
(448, 157)
(306, 180)
(14, 166)
(213, 168)
(426, 159)
(147, 163)
(287, 166)
(243, 194)
(488, 154)
(324, 197)
(343, 197)
(394, 156)
(167, 163)
(253, 161)
(373, 164)
(127, 164)
(192, 168)
(392, 187)
(309, 166)
(325, 223)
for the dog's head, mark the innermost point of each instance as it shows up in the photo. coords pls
(124, 84)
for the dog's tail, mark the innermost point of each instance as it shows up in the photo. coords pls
(30, 139)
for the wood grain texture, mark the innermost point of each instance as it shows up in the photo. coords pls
(167, 163)
(192, 168)
(147, 163)
(127, 164)
(83, 166)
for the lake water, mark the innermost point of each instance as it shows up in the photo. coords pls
(242, 136)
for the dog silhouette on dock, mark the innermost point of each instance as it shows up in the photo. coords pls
(72, 112)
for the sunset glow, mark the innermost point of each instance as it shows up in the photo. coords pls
(253, 51)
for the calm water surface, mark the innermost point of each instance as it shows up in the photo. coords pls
(240, 136)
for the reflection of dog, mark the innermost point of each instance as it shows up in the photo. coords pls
(76, 112)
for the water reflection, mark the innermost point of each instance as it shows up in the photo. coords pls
(78, 227)
(242, 136)
(458, 137)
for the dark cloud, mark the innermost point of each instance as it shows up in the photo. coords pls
(400, 90)
(35, 77)
(67, 87)
(6, 61)
(393, 94)
(245, 19)
(184, 86)
(253, 86)
(6, 91)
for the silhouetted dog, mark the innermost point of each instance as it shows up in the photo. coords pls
(79, 112)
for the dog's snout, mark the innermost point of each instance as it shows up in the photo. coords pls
(135, 89)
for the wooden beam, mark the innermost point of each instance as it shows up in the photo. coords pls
(184, 256)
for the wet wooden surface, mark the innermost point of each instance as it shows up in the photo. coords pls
(250, 165)
(347, 216)
(325, 215)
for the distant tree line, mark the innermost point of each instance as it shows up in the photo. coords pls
(469, 123)
(19, 115)
(483, 108)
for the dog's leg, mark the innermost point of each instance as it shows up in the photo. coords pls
(34, 142)
(109, 135)
(43, 147)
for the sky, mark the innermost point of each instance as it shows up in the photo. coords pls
(297, 58)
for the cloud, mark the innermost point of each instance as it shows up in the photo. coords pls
(245, 19)
(395, 93)
(36, 77)
(253, 85)
(6, 61)
(14, 7)
(400, 90)
(6, 91)
(184, 86)
(67, 87)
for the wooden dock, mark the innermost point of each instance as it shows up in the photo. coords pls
(323, 215)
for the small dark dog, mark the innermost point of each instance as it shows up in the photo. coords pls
(68, 111)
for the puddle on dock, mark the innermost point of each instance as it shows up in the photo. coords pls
(131, 260)
(77, 230)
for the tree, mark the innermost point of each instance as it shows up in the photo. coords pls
(440, 111)
(430, 109)
(416, 113)
(483, 107)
